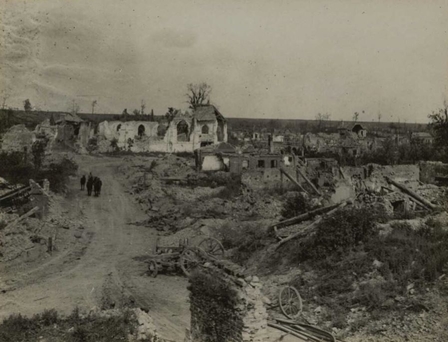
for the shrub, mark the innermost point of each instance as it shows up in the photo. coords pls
(295, 205)
(342, 231)
(58, 174)
(221, 300)
(246, 239)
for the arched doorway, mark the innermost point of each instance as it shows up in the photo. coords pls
(182, 131)
(141, 130)
(118, 127)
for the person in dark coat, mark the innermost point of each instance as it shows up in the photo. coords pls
(99, 184)
(89, 186)
(96, 186)
(83, 182)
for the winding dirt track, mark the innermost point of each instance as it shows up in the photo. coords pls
(102, 262)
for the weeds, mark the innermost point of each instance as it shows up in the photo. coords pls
(74, 328)
(246, 240)
(295, 205)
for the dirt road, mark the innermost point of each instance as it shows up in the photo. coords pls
(102, 268)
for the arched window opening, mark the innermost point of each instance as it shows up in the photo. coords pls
(161, 130)
(118, 127)
(141, 130)
(182, 131)
(205, 129)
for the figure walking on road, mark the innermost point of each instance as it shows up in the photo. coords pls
(83, 182)
(89, 186)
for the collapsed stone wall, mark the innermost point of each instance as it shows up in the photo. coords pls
(18, 139)
(225, 307)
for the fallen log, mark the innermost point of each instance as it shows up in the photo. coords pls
(282, 170)
(303, 217)
(308, 229)
(411, 193)
(308, 181)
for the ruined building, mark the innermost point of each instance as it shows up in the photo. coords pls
(185, 133)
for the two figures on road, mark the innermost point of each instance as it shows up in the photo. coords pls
(92, 183)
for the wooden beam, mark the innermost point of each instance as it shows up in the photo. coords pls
(308, 181)
(308, 229)
(282, 170)
(411, 193)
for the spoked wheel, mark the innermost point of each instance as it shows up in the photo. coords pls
(212, 247)
(189, 260)
(290, 302)
(152, 268)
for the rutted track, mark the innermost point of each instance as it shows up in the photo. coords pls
(77, 278)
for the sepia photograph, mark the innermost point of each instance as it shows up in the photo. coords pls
(223, 171)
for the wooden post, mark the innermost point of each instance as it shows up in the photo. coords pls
(308, 181)
(292, 179)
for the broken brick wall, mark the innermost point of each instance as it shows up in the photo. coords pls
(225, 308)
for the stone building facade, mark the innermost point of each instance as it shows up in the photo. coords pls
(185, 133)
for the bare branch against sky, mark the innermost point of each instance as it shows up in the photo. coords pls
(268, 59)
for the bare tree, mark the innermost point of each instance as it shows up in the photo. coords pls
(5, 96)
(197, 94)
(73, 107)
(27, 105)
(321, 118)
(142, 106)
(94, 102)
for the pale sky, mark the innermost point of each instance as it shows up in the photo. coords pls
(264, 59)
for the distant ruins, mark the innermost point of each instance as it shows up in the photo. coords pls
(184, 133)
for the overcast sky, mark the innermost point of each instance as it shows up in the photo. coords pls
(264, 59)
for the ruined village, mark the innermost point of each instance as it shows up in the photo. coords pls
(193, 221)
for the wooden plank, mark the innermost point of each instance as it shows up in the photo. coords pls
(308, 181)
(411, 193)
(283, 171)
(308, 229)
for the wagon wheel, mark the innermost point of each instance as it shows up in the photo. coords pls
(189, 259)
(152, 268)
(212, 247)
(290, 302)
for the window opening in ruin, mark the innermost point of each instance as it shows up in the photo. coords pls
(118, 127)
(245, 164)
(260, 163)
(141, 130)
(220, 130)
(182, 131)
(76, 131)
(161, 130)
(205, 129)
(273, 163)
(290, 159)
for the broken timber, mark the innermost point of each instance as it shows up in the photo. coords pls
(308, 229)
(303, 217)
(308, 181)
(411, 193)
(283, 171)
(24, 216)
